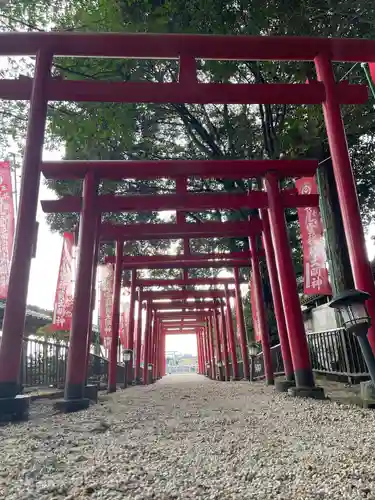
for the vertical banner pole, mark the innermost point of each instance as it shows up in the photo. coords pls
(276, 296)
(138, 339)
(112, 375)
(232, 340)
(131, 332)
(241, 325)
(260, 323)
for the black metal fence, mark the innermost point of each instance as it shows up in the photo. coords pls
(333, 353)
(181, 369)
(44, 364)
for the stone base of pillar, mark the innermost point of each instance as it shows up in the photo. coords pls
(91, 392)
(131, 377)
(368, 394)
(71, 405)
(14, 409)
(112, 388)
(283, 385)
(270, 382)
(307, 392)
(220, 374)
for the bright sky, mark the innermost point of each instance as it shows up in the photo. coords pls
(45, 267)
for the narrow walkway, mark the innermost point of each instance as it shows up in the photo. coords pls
(190, 438)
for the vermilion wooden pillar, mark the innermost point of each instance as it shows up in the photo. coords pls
(76, 369)
(224, 337)
(241, 325)
(203, 353)
(153, 346)
(112, 378)
(292, 308)
(232, 340)
(15, 310)
(207, 367)
(218, 343)
(131, 332)
(93, 293)
(205, 350)
(260, 311)
(199, 354)
(276, 296)
(346, 189)
(146, 342)
(211, 347)
(138, 348)
(163, 357)
(158, 350)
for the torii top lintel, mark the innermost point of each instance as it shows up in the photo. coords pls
(153, 169)
(174, 46)
(111, 232)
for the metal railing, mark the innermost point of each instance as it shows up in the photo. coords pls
(181, 369)
(337, 352)
(332, 352)
(44, 364)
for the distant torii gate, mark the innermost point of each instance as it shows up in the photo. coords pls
(187, 49)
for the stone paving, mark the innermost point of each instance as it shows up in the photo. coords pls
(188, 437)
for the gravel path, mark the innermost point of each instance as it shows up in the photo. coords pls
(188, 437)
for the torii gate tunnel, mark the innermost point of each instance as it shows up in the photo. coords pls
(267, 232)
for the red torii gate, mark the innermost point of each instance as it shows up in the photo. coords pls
(205, 338)
(177, 300)
(185, 48)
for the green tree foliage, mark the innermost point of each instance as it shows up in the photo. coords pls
(139, 131)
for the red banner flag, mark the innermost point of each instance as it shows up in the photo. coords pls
(62, 311)
(124, 317)
(254, 312)
(6, 227)
(372, 71)
(105, 306)
(316, 280)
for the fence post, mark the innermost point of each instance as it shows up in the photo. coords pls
(346, 357)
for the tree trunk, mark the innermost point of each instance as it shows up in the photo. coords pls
(337, 251)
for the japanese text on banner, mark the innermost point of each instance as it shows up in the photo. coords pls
(257, 333)
(106, 299)
(316, 280)
(63, 308)
(6, 227)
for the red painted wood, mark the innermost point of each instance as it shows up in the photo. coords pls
(183, 282)
(198, 257)
(184, 294)
(14, 316)
(190, 202)
(178, 304)
(110, 232)
(179, 93)
(229, 169)
(173, 46)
